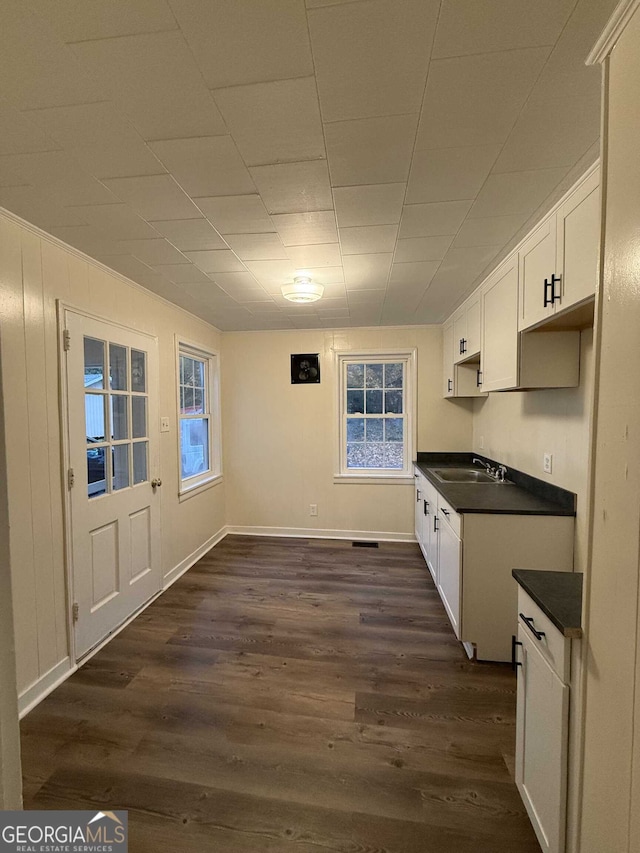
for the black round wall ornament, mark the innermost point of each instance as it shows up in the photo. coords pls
(305, 369)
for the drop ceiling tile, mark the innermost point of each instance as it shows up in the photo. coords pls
(237, 214)
(254, 294)
(54, 172)
(417, 273)
(205, 166)
(153, 252)
(190, 234)
(260, 307)
(315, 255)
(275, 122)
(364, 298)
(303, 229)
(464, 265)
(330, 277)
(117, 221)
(367, 272)
(182, 273)
(511, 193)
(433, 220)
(222, 260)
(575, 122)
(39, 207)
(468, 27)
(449, 174)
(154, 197)
(76, 20)
(231, 281)
(421, 249)
(371, 150)
(21, 134)
(156, 81)
(257, 247)
(294, 187)
(490, 231)
(36, 68)
(88, 239)
(254, 42)
(379, 204)
(272, 274)
(371, 58)
(117, 161)
(475, 100)
(368, 238)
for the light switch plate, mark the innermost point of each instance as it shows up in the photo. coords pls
(164, 424)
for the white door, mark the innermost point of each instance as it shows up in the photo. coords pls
(112, 382)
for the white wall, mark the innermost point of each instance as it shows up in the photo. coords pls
(517, 428)
(279, 438)
(34, 272)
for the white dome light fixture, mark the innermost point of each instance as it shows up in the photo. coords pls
(303, 290)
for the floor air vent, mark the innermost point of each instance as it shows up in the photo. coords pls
(365, 544)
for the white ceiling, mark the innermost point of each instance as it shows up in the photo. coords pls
(209, 149)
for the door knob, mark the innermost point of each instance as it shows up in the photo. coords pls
(155, 483)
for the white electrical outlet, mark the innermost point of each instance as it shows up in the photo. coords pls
(547, 463)
(164, 424)
(481, 442)
(313, 509)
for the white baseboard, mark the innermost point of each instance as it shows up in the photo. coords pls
(36, 692)
(315, 533)
(48, 682)
(193, 558)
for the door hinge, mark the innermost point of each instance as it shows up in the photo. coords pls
(66, 340)
(75, 611)
(71, 478)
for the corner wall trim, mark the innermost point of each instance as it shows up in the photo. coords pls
(36, 692)
(193, 558)
(314, 533)
(621, 16)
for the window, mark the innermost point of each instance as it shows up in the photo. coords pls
(376, 405)
(198, 414)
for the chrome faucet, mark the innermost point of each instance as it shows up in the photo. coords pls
(501, 473)
(491, 471)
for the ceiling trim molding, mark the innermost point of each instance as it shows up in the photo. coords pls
(621, 16)
(44, 235)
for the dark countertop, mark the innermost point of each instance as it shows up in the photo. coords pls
(558, 594)
(525, 496)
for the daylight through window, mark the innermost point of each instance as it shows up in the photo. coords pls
(197, 454)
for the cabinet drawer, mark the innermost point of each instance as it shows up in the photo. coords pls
(449, 515)
(553, 646)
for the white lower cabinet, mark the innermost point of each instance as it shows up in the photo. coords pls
(450, 571)
(542, 724)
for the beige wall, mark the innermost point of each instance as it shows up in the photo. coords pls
(34, 272)
(611, 793)
(517, 428)
(279, 438)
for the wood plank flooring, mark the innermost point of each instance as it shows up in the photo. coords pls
(288, 696)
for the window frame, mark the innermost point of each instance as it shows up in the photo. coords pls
(193, 485)
(375, 475)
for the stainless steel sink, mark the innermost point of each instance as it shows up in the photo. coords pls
(466, 475)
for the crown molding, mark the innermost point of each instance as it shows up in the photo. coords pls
(621, 16)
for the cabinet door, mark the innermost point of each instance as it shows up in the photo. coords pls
(449, 571)
(460, 341)
(447, 360)
(578, 243)
(541, 745)
(417, 493)
(537, 264)
(430, 510)
(473, 325)
(499, 354)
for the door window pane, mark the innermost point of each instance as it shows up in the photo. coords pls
(139, 416)
(118, 367)
(120, 466)
(119, 417)
(94, 417)
(96, 471)
(93, 364)
(138, 370)
(195, 446)
(140, 467)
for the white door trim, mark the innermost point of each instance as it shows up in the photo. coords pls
(62, 308)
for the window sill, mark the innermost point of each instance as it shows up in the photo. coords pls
(199, 487)
(375, 479)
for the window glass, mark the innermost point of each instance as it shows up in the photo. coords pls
(197, 461)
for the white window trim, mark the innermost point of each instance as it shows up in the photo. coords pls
(199, 483)
(376, 476)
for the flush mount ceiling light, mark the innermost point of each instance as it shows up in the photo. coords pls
(302, 290)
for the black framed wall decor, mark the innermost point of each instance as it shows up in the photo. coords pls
(305, 369)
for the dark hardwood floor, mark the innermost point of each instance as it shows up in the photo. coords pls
(288, 695)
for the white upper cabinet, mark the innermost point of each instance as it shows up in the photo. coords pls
(466, 330)
(559, 260)
(499, 358)
(447, 360)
